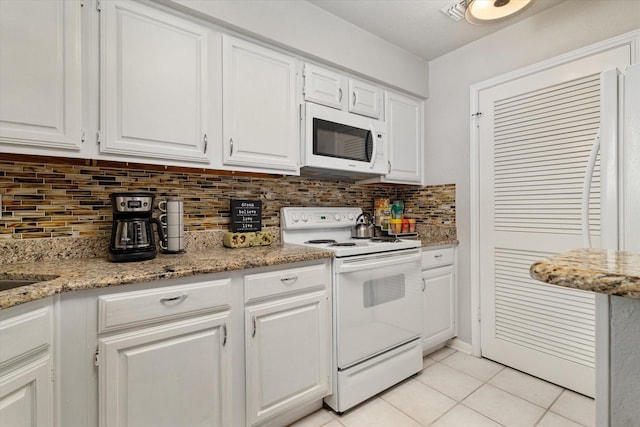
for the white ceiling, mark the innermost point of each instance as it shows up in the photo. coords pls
(418, 26)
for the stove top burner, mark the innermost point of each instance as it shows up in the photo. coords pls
(320, 241)
(343, 244)
(384, 239)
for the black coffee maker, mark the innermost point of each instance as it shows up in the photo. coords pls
(132, 233)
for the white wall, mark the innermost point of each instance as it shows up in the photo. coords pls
(304, 28)
(568, 26)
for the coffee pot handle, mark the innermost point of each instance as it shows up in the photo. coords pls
(163, 238)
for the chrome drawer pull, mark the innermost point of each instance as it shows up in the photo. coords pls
(438, 256)
(179, 298)
(289, 280)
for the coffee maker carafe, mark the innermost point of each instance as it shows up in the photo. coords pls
(132, 233)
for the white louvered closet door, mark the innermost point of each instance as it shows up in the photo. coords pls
(535, 136)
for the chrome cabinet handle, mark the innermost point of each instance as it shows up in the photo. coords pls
(354, 99)
(205, 143)
(224, 334)
(438, 256)
(424, 285)
(388, 167)
(289, 280)
(179, 298)
(339, 94)
(230, 147)
(253, 334)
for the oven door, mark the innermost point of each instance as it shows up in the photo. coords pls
(378, 304)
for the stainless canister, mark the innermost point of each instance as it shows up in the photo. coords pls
(172, 219)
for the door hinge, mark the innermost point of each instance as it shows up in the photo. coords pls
(96, 357)
(99, 137)
(83, 136)
(99, 5)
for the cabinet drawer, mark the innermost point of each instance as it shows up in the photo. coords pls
(24, 334)
(261, 285)
(141, 307)
(437, 257)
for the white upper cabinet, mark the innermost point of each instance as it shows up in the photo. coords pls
(260, 114)
(40, 76)
(324, 87)
(154, 77)
(404, 126)
(365, 99)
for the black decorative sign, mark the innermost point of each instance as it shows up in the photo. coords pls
(246, 215)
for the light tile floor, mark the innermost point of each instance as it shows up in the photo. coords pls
(458, 390)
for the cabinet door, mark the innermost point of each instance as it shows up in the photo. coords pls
(175, 374)
(404, 127)
(439, 306)
(26, 395)
(40, 82)
(287, 354)
(324, 87)
(260, 125)
(365, 99)
(154, 74)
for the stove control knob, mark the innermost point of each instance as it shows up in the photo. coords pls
(350, 216)
(337, 217)
(304, 218)
(294, 217)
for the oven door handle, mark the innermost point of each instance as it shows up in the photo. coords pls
(347, 267)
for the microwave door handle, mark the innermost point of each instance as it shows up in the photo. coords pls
(374, 149)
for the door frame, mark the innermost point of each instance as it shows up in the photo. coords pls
(631, 39)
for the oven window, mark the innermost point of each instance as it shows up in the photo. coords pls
(383, 290)
(341, 141)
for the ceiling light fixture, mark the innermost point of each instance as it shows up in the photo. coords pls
(489, 11)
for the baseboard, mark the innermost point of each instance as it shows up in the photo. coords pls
(458, 344)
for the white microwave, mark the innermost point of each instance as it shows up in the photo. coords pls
(341, 143)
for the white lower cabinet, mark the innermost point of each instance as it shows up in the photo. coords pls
(170, 373)
(287, 357)
(288, 342)
(247, 347)
(26, 395)
(439, 298)
(26, 367)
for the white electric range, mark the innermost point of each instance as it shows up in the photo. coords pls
(377, 302)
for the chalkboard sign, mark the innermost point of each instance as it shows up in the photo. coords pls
(246, 215)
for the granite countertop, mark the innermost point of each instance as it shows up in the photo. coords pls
(596, 270)
(87, 273)
(74, 274)
(435, 244)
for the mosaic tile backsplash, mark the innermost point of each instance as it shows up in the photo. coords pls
(70, 198)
